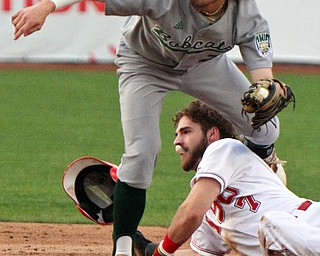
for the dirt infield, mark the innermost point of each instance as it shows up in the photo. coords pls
(66, 239)
(61, 239)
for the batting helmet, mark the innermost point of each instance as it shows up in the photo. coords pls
(90, 182)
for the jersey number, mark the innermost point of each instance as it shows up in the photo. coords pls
(228, 197)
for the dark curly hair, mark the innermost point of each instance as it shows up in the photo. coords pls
(207, 117)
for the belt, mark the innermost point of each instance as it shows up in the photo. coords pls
(303, 207)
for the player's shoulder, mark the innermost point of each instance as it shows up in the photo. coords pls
(228, 142)
(228, 145)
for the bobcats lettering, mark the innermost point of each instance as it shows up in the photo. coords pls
(187, 45)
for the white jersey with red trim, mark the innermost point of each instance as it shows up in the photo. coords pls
(249, 188)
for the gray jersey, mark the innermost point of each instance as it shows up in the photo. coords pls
(169, 46)
(173, 33)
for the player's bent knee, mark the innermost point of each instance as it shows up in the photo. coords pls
(137, 170)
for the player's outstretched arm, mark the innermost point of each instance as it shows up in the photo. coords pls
(189, 215)
(31, 19)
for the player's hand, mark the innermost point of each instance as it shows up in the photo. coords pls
(31, 19)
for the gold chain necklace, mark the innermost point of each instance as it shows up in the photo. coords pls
(215, 16)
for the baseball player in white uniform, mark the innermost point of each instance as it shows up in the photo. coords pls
(175, 45)
(236, 201)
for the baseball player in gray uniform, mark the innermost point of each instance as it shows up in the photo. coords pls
(175, 45)
(236, 201)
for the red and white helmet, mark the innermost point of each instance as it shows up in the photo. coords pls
(90, 182)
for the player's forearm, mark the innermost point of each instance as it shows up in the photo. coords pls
(62, 3)
(261, 73)
(183, 225)
(190, 213)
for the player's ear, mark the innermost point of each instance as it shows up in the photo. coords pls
(213, 134)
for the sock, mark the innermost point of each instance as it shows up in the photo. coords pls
(124, 246)
(128, 208)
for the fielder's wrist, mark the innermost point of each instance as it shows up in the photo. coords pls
(63, 3)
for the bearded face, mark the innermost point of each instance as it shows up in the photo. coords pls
(192, 155)
(190, 142)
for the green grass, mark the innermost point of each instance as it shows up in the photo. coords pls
(299, 141)
(50, 118)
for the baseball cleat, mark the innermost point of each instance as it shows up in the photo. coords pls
(140, 244)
